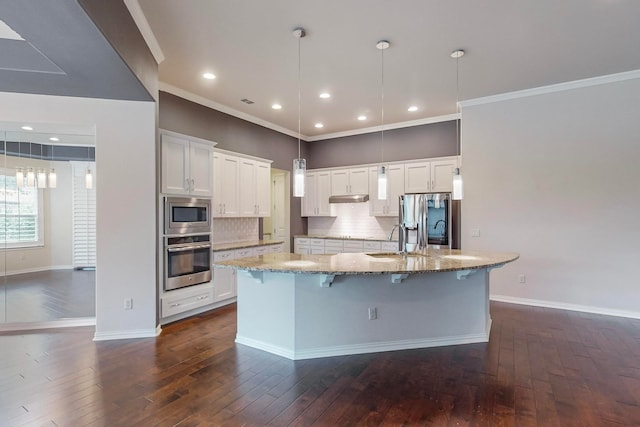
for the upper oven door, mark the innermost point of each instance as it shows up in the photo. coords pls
(187, 215)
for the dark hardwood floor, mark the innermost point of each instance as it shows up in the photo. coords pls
(47, 295)
(542, 367)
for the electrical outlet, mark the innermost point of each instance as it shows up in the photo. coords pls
(373, 313)
(128, 303)
(475, 232)
(522, 278)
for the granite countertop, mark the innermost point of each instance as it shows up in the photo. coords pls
(317, 236)
(426, 261)
(216, 247)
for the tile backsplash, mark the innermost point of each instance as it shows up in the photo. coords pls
(352, 220)
(226, 230)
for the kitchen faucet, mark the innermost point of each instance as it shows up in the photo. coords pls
(392, 230)
(438, 222)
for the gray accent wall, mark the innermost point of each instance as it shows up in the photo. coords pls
(418, 142)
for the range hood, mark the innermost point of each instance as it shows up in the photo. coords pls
(350, 198)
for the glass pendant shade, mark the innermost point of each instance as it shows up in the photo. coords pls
(457, 185)
(88, 180)
(382, 183)
(42, 179)
(31, 178)
(299, 170)
(19, 178)
(53, 178)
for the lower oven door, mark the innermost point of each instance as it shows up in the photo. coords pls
(187, 265)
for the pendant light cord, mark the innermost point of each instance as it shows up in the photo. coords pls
(382, 108)
(299, 91)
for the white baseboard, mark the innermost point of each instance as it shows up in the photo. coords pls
(38, 269)
(125, 335)
(376, 347)
(566, 306)
(62, 323)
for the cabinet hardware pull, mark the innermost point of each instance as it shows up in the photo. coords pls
(193, 184)
(175, 304)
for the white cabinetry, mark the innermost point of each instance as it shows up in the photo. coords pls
(224, 279)
(186, 299)
(349, 181)
(395, 188)
(353, 246)
(389, 246)
(371, 247)
(242, 186)
(333, 246)
(429, 176)
(305, 246)
(225, 185)
(316, 194)
(186, 166)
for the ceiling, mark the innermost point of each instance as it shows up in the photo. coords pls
(510, 45)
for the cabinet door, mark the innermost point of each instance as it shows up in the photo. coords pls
(359, 181)
(339, 182)
(224, 283)
(263, 189)
(395, 188)
(442, 175)
(200, 169)
(323, 192)
(376, 207)
(309, 201)
(228, 179)
(247, 185)
(175, 162)
(417, 177)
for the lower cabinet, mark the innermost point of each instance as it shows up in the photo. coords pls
(224, 279)
(186, 299)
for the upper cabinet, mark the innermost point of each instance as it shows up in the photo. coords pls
(395, 188)
(317, 190)
(186, 166)
(349, 181)
(242, 185)
(434, 176)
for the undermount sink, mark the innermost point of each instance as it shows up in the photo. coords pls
(460, 257)
(394, 254)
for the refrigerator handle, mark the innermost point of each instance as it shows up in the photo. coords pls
(422, 223)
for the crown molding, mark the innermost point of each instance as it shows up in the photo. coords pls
(391, 126)
(165, 87)
(145, 29)
(560, 87)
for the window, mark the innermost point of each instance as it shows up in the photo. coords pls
(20, 213)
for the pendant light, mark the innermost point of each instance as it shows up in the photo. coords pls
(42, 176)
(31, 176)
(88, 177)
(19, 177)
(53, 178)
(299, 164)
(382, 170)
(458, 193)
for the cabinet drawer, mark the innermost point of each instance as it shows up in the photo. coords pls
(333, 246)
(301, 241)
(372, 246)
(223, 255)
(261, 250)
(389, 246)
(186, 300)
(351, 246)
(276, 248)
(243, 253)
(316, 242)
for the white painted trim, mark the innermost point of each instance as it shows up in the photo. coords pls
(145, 29)
(399, 125)
(165, 87)
(188, 137)
(38, 269)
(241, 155)
(269, 348)
(375, 347)
(124, 335)
(560, 87)
(566, 306)
(61, 323)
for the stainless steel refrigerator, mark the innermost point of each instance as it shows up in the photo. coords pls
(429, 219)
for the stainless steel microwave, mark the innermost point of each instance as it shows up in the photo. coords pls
(184, 215)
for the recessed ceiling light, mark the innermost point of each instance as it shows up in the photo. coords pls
(325, 95)
(54, 138)
(362, 118)
(276, 107)
(209, 76)
(457, 53)
(412, 108)
(27, 128)
(319, 125)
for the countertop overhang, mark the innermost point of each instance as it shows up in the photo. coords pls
(426, 261)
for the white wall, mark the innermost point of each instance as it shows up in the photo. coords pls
(126, 201)
(556, 177)
(57, 250)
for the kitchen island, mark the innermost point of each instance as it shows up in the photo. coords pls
(309, 306)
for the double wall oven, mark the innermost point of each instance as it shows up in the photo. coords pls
(187, 242)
